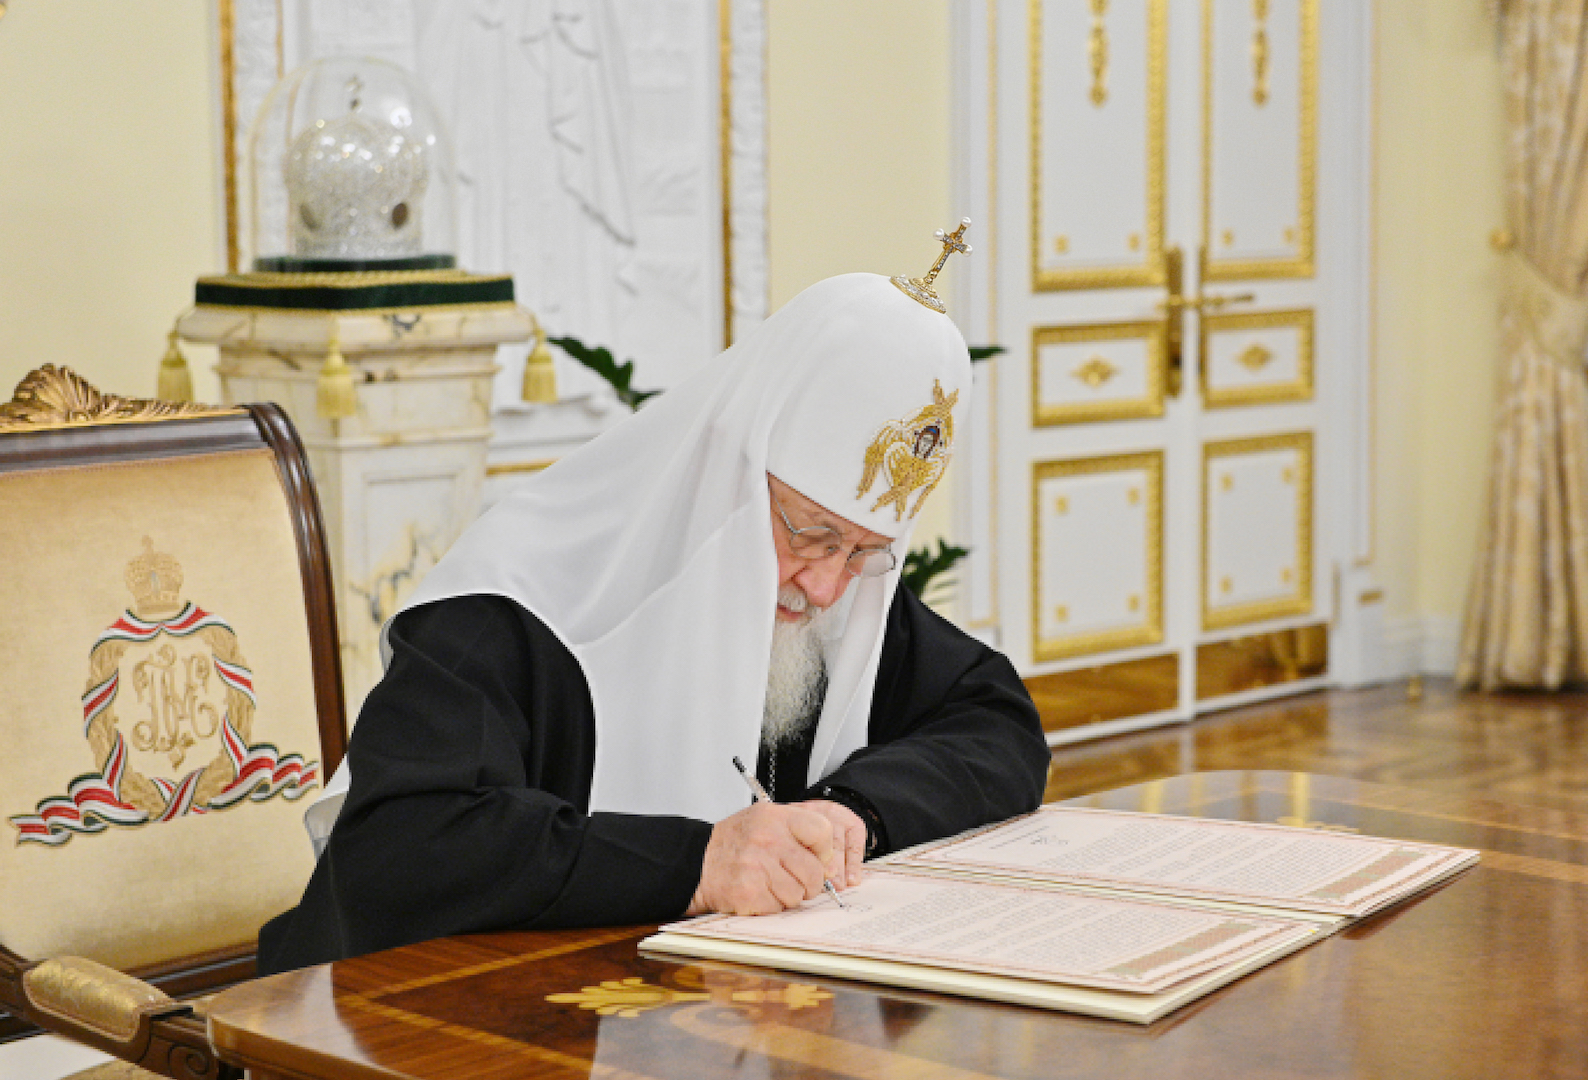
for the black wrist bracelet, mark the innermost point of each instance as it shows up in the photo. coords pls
(876, 835)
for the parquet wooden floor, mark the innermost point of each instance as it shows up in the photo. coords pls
(1528, 749)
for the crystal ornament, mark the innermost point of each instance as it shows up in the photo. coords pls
(349, 170)
(355, 186)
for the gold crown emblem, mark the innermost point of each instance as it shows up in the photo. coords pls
(920, 289)
(155, 580)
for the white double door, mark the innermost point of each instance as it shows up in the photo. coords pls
(1169, 479)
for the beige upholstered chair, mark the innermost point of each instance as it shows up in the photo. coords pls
(171, 694)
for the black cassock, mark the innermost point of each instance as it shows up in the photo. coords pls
(472, 764)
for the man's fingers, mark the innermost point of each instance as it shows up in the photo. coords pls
(812, 830)
(854, 853)
(792, 885)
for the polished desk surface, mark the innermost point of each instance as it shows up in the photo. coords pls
(1486, 976)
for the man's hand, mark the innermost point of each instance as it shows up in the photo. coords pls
(849, 836)
(769, 858)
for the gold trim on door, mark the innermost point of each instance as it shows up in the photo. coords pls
(1299, 389)
(1148, 405)
(1262, 660)
(1151, 270)
(1302, 265)
(1298, 603)
(1150, 630)
(1092, 695)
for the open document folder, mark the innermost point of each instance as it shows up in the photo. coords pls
(1109, 913)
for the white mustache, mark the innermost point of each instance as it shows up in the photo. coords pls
(794, 599)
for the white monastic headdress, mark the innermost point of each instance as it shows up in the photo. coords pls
(649, 551)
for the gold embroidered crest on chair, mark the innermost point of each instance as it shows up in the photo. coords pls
(172, 690)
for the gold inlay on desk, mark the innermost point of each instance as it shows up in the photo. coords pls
(631, 997)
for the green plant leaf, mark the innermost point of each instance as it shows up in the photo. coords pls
(923, 568)
(599, 360)
(982, 352)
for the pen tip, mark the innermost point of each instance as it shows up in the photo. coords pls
(737, 764)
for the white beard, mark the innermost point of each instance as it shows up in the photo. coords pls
(797, 675)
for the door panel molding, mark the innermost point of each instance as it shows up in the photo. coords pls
(1110, 381)
(1218, 231)
(1133, 614)
(1221, 390)
(1053, 265)
(1236, 537)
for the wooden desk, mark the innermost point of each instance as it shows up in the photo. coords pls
(1485, 977)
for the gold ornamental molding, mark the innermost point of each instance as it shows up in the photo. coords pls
(1149, 630)
(1302, 263)
(1299, 602)
(1099, 370)
(1097, 51)
(1257, 356)
(1151, 270)
(1260, 53)
(51, 397)
(1095, 372)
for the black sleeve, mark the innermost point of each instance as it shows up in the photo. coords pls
(955, 741)
(471, 767)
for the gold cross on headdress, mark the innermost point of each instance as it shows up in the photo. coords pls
(920, 289)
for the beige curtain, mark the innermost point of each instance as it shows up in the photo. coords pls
(1527, 615)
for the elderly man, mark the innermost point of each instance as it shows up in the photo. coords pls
(552, 743)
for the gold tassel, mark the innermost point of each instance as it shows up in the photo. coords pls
(336, 399)
(540, 373)
(176, 381)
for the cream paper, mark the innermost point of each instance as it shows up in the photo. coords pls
(1228, 861)
(1006, 929)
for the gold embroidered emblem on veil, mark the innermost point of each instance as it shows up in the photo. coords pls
(913, 454)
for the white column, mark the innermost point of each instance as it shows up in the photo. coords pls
(400, 479)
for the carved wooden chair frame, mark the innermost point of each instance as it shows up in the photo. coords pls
(58, 418)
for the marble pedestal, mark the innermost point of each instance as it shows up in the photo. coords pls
(402, 478)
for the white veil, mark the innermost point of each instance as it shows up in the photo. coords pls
(649, 550)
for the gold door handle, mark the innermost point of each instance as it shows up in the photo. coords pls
(1174, 306)
(1214, 302)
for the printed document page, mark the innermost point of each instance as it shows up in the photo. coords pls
(1008, 929)
(1197, 857)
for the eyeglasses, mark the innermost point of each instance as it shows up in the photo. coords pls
(822, 542)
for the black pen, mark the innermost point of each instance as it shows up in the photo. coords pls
(758, 794)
